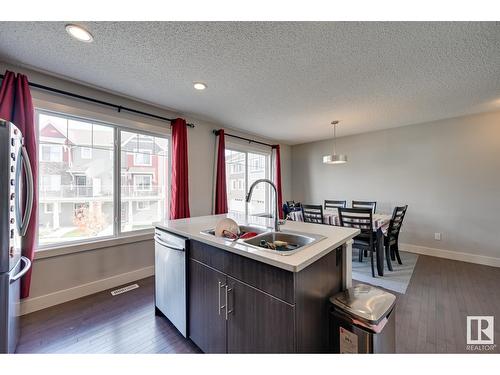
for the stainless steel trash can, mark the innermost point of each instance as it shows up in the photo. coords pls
(362, 320)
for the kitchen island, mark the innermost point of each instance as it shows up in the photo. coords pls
(244, 299)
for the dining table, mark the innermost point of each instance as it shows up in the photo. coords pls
(380, 227)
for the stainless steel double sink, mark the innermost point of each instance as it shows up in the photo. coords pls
(265, 238)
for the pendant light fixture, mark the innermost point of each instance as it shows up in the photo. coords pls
(335, 158)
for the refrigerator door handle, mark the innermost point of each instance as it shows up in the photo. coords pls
(23, 222)
(26, 268)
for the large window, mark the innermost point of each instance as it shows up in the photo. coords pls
(83, 193)
(244, 167)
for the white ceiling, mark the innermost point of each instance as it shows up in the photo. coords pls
(286, 81)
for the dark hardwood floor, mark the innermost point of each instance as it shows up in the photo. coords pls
(101, 323)
(431, 316)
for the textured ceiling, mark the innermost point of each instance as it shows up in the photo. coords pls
(286, 80)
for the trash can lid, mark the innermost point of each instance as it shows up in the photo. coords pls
(365, 302)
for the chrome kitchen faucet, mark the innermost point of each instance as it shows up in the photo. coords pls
(276, 212)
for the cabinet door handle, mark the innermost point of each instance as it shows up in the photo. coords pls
(221, 285)
(227, 301)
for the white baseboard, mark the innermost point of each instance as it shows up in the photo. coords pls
(41, 302)
(454, 255)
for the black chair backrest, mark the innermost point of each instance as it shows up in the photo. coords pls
(293, 206)
(286, 210)
(364, 204)
(360, 218)
(396, 221)
(312, 213)
(334, 204)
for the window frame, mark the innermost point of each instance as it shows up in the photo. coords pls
(118, 125)
(81, 190)
(52, 146)
(150, 175)
(142, 151)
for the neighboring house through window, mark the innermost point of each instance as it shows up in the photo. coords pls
(243, 167)
(144, 174)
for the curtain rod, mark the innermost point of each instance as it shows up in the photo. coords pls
(97, 101)
(216, 132)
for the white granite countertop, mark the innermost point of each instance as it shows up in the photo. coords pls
(334, 237)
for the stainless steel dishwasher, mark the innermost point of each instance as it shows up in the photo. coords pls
(170, 278)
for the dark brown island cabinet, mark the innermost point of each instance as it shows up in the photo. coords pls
(240, 305)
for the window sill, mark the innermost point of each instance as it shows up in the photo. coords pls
(66, 249)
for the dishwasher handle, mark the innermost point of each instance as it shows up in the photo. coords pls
(168, 245)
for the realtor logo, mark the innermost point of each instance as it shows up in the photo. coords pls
(480, 330)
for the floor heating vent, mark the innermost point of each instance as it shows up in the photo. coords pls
(125, 289)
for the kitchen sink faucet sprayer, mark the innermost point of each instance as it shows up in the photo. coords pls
(276, 212)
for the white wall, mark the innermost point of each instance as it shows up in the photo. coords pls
(63, 277)
(448, 172)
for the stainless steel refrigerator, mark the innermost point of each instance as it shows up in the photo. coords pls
(15, 171)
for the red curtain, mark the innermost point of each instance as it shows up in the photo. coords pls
(220, 182)
(277, 178)
(179, 201)
(16, 106)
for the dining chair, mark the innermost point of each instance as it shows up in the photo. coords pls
(334, 204)
(392, 238)
(294, 206)
(362, 219)
(286, 210)
(312, 213)
(364, 204)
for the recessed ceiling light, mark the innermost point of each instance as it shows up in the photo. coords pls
(199, 86)
(79, 33)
